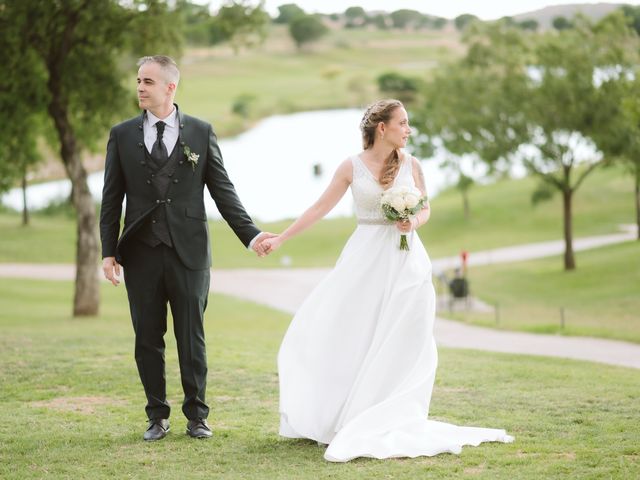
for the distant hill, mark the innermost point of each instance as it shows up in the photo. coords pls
(545, 16)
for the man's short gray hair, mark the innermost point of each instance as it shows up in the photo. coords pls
(168, 65)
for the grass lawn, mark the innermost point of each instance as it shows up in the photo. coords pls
(71, 405)
(338, 71)
(601, 298)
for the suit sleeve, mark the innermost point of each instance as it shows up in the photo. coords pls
(224, 194)
(112, 196)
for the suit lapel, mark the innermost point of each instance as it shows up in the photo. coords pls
(140, 147)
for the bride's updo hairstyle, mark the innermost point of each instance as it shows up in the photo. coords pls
(381, 111)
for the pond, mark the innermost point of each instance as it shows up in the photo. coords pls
(279, 167)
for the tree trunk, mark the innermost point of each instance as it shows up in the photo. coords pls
(25, 207)
(569, 258)
(86, 299)
(465, 205)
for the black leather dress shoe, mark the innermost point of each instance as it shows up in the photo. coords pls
(198, 428)
(157, 430)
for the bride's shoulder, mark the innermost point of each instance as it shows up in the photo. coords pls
(345, 169)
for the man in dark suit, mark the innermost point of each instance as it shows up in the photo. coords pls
(161, 161)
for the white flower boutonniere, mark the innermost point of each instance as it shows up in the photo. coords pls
(191, 157)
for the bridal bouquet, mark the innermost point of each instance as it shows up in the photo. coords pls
(400, 203)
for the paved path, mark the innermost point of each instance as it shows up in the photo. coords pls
(285, 289)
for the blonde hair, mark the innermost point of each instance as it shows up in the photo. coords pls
(381, 111)
(167, 64)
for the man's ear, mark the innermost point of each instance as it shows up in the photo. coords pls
(172, 87)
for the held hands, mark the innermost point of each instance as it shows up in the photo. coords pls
(111, 270)
(259, 245)
(272, 244)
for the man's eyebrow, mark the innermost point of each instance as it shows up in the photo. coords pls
(146, 79)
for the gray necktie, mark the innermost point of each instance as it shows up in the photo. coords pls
(159, 150)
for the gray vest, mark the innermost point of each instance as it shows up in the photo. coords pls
(156, 230)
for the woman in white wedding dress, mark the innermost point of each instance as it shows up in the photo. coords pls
(358, 362)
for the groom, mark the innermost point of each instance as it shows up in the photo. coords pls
(160, 161)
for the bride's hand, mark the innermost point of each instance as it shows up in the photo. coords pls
(272, 244)
(405, 226)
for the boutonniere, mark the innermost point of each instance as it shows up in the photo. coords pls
(191, 157)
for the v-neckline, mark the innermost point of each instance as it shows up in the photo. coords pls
(373, 177)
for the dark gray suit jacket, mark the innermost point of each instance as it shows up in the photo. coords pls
(127, 174)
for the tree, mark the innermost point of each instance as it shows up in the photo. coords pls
(73, 51)
(462, 21)
(18, 137)
(241, 24)
(307, 29)
(356, 16)
(399, 86)
(463, 101)
(288, 13)
(518, 97)
(621, 142)
(529, 24)
(404, 18)
(561, 23)
(632, 13)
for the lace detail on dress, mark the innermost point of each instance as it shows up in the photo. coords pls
(367, 191)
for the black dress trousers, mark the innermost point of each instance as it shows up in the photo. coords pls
(155, 277)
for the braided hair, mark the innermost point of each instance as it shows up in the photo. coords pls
(381, 111)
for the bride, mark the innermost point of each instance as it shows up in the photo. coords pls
(358, 362)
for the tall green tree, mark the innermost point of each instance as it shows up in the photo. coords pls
(462, 21)
(242, 24)
(307, 29)
(534, 98)
(621, 142)
(465, 99)
(288, 12)
(73, 54)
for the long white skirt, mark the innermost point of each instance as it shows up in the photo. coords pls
(358, 362)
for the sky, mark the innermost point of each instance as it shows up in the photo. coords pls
(484, 9)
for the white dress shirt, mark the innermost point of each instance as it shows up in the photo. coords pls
(171, 130)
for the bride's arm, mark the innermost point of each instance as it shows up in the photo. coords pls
(423, 215)
(329, 199)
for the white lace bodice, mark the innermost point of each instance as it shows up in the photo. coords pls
(367, 191)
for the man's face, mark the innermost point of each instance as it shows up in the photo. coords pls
(153, 89)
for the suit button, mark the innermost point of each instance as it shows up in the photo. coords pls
(157, 201)
(181, 162)
(140, 145)
(168, 200)
(153, 175)
(171, 174)
(153, 221)
(148, 182)
(175, 180)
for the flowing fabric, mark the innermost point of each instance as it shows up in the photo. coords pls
(358, 362)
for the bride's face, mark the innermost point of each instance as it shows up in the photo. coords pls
(397, 130)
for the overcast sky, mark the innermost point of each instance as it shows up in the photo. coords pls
(485, 9)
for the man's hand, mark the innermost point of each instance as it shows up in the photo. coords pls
(258, 246)
(111, 270)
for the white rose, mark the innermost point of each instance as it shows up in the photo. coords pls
(398, 203)
(411, 200)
